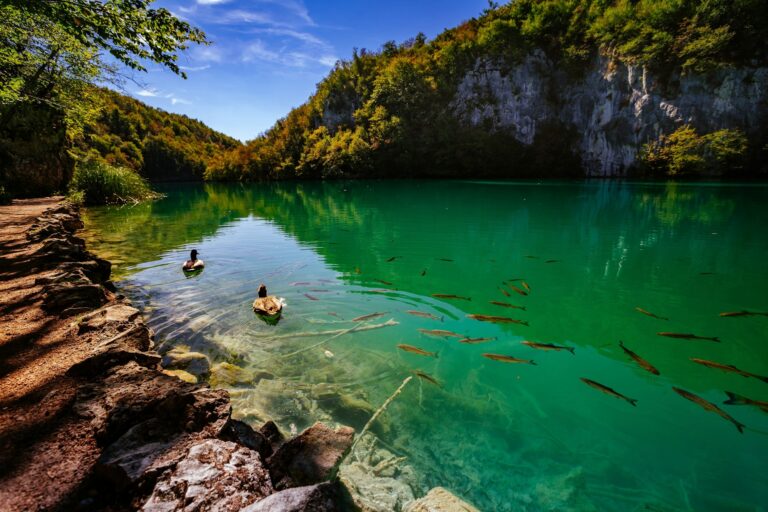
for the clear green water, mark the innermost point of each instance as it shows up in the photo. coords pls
(503, 436)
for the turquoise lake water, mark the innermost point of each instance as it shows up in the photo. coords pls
(504, 436)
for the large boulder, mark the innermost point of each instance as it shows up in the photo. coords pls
(310, 457)
(214, 475)
(180, 358)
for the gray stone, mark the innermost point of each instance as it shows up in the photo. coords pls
(323, 497)
(214, 475)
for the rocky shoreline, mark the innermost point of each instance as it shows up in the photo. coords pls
(89, 420)
(108, 429)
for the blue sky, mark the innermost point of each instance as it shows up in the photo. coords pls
(268, 55)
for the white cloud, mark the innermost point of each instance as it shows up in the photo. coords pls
(212, 2)
(148, 93)
(175, 101)
(195, 68)
(257, 50)
(304, 37)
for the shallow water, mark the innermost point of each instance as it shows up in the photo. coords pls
(503, 436)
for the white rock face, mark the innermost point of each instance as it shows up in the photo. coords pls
(612, 108)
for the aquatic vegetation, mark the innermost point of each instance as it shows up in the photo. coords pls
(95, 183)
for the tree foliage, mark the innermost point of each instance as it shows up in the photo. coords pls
(388, 113)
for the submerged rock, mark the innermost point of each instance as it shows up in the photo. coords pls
(228, 375)
(214, 475)
(440, 500)
(372, 493)
(183, 375)
(192, 362)
(311, 456)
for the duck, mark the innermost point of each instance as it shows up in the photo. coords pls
(193, 263)
(267, 305)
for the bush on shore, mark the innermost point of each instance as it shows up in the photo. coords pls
(96, 182)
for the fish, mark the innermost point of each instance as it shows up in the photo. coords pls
(743, 313)
(728, 368)
(328, 354)
(300, 283)
(506, 305)
(652, 315)
(552, 261)
(441, 333)
(688, 336)
(368, 317)
(706, 273)
(608, 391)
(734, 399)
(416, 350)
(423, 272)
(445, 259)
(334, 314)
(505, 292)
(449, 296)
(393, 258)
(508, 359)
(317, 290)
(709, 406)
(476, 340)
(426, 377)
(497, 319)
(514, 280)
(532, 257)
(383, 282)
(310, 297)
(642, 362)
(548, 346)
(518, 290)
(422, 314)
(357, 270)
(526, 286)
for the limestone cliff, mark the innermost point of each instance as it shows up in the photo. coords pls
(613, 108)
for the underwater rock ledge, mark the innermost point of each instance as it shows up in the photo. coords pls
(88, 418)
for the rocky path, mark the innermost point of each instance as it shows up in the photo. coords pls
(88, 419)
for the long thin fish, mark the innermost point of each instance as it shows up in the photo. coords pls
(476, 340)
(449, 296)
(369, 317)
(445, 259)
(505, 292)
(393, 258)
(645, 365)
(508, 359)
(728, 368)
(497, 319)
(608, 391)
(416, 350)
(506, 305)
(548, 346)
(685, 336)
(310, 297)
(708, 406)
(552, 261)
(383, 282)
(518, 290)
(652, 315)
(743, 313)
(440, 333)
(526, 286)
(734, 399)
(422, 314)
(427, 378)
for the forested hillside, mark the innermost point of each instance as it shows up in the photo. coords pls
(159, 145)
(538, 88)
